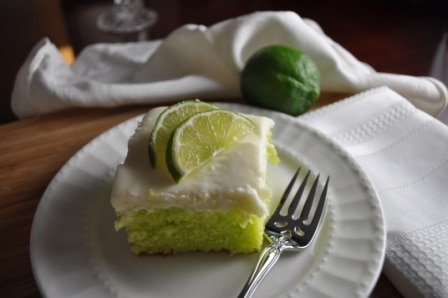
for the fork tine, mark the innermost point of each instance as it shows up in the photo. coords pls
(309, 200)
(295, 202)
(288, 189)
(321, 204)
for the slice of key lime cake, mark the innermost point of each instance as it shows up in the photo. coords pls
(194, 179)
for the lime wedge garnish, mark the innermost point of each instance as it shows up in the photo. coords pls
(165, 124)
(203, 136)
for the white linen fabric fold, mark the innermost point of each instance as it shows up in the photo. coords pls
(404, 152)
(197, 61)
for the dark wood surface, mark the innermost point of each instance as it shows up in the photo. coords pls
(392, 36)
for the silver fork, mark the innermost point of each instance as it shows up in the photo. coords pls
(287, 232)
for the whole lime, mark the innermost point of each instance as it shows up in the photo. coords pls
(281, 78)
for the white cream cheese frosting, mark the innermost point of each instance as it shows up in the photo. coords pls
(236, 178)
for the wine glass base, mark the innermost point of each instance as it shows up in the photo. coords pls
(124, 22)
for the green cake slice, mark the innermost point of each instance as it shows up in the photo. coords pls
(222, 206)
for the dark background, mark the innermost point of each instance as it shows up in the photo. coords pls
(396, 36)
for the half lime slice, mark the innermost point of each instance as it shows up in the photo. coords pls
(165, 124)
(203, 136)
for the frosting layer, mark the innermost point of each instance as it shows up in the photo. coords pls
(236, 178)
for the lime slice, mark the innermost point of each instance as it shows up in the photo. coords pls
(203, 136)
(166, 122)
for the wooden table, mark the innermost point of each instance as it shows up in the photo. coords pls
(33, 150)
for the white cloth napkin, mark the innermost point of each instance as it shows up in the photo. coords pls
(404, 152)
(197, 61)
(401, 148)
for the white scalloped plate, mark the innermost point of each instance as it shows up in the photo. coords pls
(75, 251)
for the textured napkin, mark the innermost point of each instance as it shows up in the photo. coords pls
(197, 61)
(404, 152)
(390, 131)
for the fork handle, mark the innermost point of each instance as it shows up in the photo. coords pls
(267, 259)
